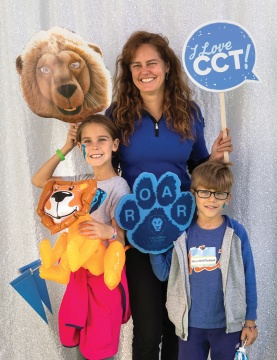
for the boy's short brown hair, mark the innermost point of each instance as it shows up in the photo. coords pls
(213, 175)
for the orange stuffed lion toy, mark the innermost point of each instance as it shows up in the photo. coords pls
(63, 205)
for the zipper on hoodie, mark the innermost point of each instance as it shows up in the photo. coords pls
(155, 122)
(156, 129)
(156, 125)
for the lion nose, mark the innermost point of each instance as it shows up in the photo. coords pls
(67, 90)
(60, 195)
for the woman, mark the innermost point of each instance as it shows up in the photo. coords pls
(162, 129)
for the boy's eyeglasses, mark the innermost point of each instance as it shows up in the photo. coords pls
(206, 194)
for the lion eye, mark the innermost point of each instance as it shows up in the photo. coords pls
(56, 188)
(45, 70)
(71, 188)
(75, 65)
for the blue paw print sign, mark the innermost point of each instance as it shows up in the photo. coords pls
(156, 213)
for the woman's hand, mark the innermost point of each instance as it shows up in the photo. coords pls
(95, 230)
(221, 145)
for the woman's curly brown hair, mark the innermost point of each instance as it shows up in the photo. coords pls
(128, 103)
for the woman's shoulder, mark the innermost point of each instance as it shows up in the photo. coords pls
(196, 111)
(198, 119)
(110, 109)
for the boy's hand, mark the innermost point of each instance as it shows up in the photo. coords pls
(249, 333)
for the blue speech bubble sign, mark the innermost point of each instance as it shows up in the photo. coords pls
(219, 56)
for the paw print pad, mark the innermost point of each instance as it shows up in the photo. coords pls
(156, 213)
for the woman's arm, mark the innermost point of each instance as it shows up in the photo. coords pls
(220, 145)
(45, 173)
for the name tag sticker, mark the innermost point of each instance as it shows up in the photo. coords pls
(202, 256)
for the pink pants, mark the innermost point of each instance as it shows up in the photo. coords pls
(91, 315)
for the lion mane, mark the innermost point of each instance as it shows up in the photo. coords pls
(62, 76)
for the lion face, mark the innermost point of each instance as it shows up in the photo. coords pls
(63, 77)
(63, 202)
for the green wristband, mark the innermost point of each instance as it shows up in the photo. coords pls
(60, 155)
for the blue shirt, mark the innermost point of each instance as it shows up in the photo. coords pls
(156, 149)
(207, 304)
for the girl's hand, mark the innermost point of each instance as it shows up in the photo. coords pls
(71, 139)
(45, 173)
(95, 230)
(249, 333)
(221, 145)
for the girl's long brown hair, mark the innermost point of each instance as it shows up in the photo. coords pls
(128, 103)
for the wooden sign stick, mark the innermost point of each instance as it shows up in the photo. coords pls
(223, 122)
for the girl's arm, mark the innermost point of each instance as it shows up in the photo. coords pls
(45, 173)
(96, 230)
(120, 233)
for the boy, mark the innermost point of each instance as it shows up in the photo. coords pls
(211, 295)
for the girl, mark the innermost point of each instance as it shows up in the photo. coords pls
(97, 329)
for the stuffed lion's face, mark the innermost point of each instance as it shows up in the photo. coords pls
(63, 77)
(63, 202)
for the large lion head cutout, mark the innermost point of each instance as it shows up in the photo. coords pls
(63, 77)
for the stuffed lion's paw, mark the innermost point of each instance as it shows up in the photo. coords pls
(95, 264)
(59, 273)
(49, 256)
(113, 264)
